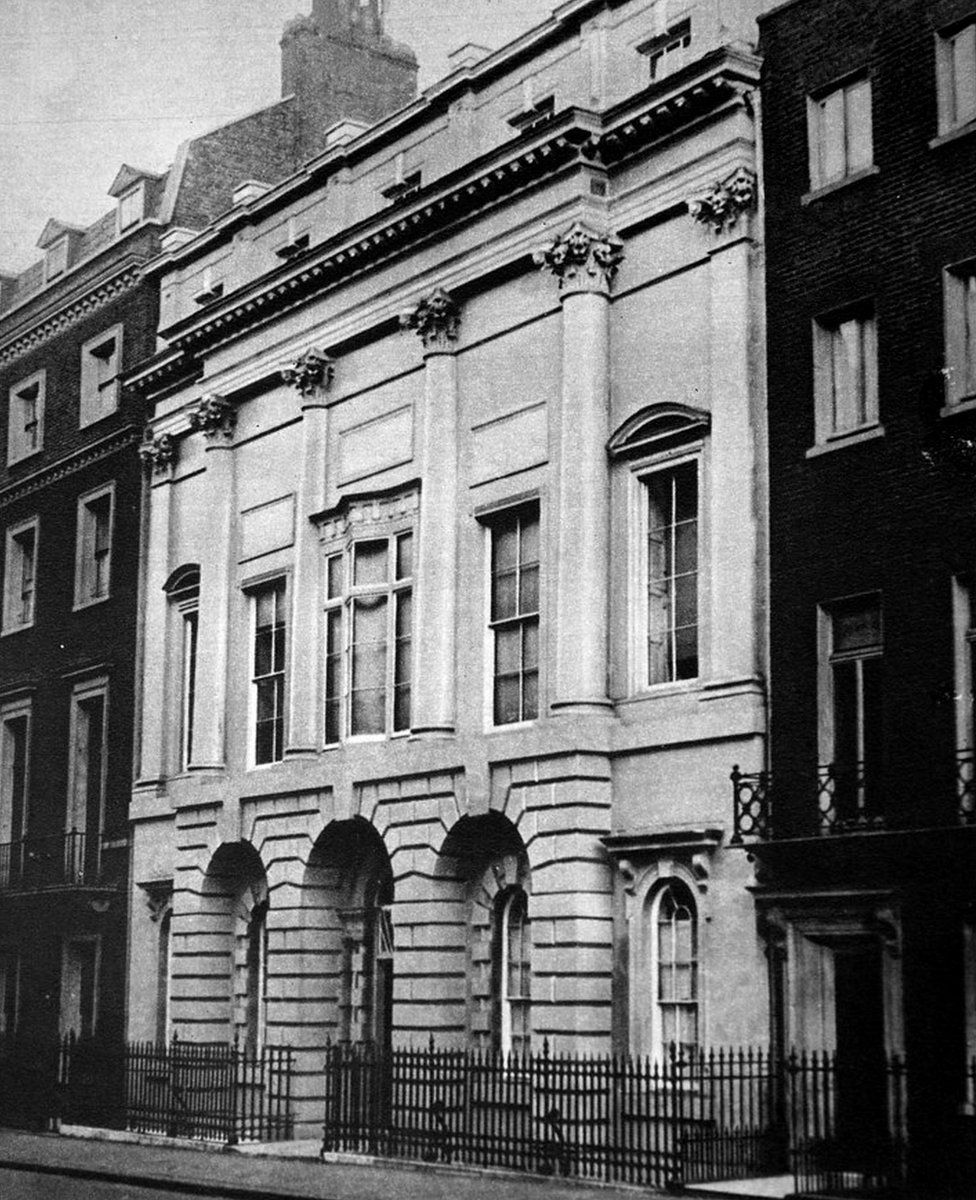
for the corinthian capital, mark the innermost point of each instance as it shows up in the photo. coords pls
(437, 319)
(159, 455)
(312, 372)
(723, 204)
(582, 260)
(216, 416)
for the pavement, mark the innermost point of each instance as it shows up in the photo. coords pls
(242, 1175)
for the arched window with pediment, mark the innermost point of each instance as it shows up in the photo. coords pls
(672, 922)
(660, 448)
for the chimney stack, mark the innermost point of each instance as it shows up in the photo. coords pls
(341, 65)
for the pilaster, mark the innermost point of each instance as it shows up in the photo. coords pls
(215, 417)
(584, 262)
(311, 376)
(159, 460)
(436, 319)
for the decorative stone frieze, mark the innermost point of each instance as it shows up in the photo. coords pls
(725, 202)
(311, 372)
(437, 319)
(159, 455)
(582, 259)
(215, 415)
(357, 516)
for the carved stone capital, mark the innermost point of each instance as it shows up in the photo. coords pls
(159, 455)
(159, 898)
(216, 416)
(582, 260)
(722, 205)
(437, 319)
(312, 372)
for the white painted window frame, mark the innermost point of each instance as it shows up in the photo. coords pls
(955, 53)
(99, 397)
(85, 542)
(67, 943)
(959, 313)
(13, 576)
(76, 812)
(12, 710)
(17, 449)
(834, 415)
(833, 129)
(253, 588)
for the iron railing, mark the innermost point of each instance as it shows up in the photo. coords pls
(69, 859)
(848, 1126)
(696, 1116)
(208, 1091)
(752, 806)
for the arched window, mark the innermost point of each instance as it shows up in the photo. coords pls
(183, 590)
(512, 971)
(162, 977)
(675, 955)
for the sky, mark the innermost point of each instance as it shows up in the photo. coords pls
(86, 85)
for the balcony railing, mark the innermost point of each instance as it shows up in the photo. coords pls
(69, 859)
(842, 799)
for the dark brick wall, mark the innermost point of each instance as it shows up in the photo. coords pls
(879, 516)
(62, 642)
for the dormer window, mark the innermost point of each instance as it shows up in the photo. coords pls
(132, 205)
(295, 240)
(668, 51)
(56, 259)
(210, 289)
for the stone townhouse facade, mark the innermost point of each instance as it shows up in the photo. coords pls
(71, 534)
(453, 583)
(863, 834)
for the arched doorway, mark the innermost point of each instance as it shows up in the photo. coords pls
(235, 894)
(350, 880)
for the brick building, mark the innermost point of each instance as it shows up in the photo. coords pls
(454, 584)
(863, 837)
(71, 492)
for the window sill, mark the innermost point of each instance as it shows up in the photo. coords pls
(12, 629)
(866, 433)
(20, 458)
(653, 691)
(966, 405)
(952, 135)
(828, 189)
(510, 726)
(82, 604)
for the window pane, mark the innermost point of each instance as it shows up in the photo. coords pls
(504, 596)
(369, 711)
(263, 646)
(845, 715)
(832, 156)
(964, 75)
(686, 547)
(336, 576)
(404, 549)
(507, 651)
(333, 674)
(530, 540)
(504, 548)
(370, 563)
(858, 132)
(529, 596)
(506, 700)
(530, 696)
(530, 645)
(857, 627)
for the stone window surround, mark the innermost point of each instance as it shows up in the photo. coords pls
(85, 561)
(16, 433)
(817, 134)
(94, 387)
(13, 557)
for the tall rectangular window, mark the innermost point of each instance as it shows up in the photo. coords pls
(101, 363)
(956, 76)
(9, 989)
(515, 615)
(93, 560)
(15, 736)
(369, 637)
(960, 332)
(79, 985)
(851, 779)
(964, 630)
(840, 133)
(190, 622)
(25, 420)
(87, 775)
(268, 672)
(20, 576)
(845, 373)
(672, 573)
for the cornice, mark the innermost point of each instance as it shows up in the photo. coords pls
(129, 435)
(576, 135)
(50, 326)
